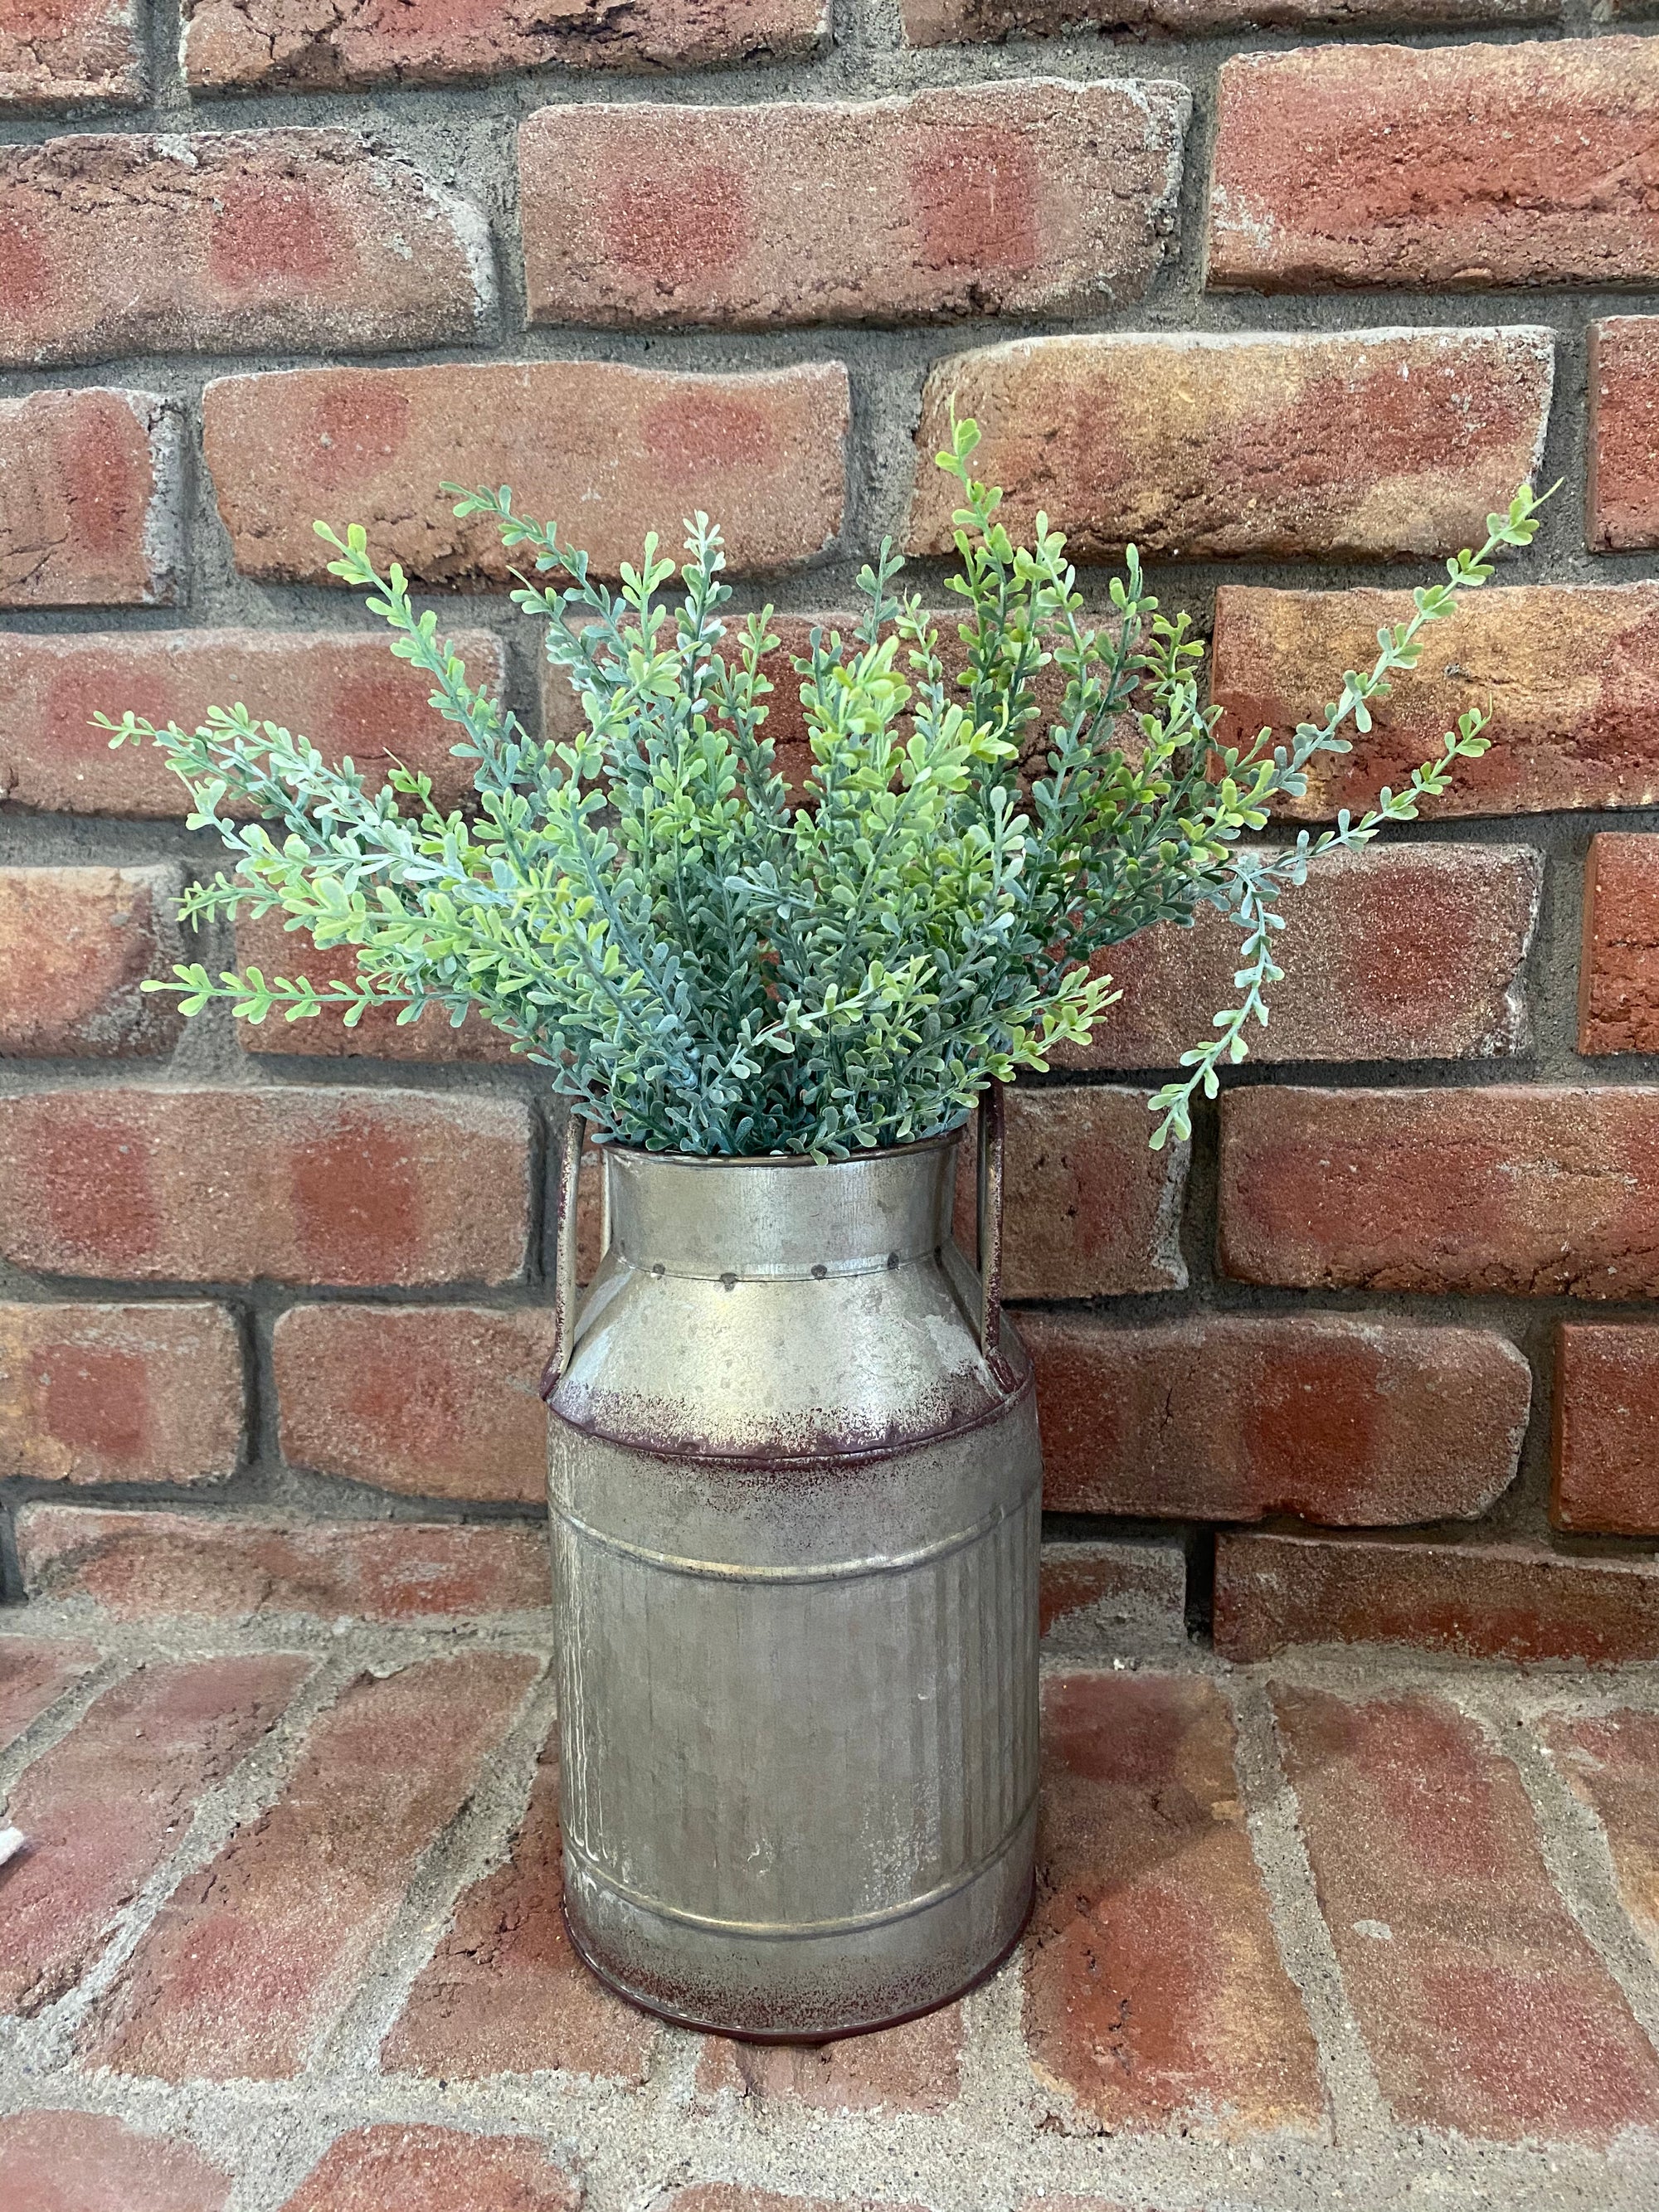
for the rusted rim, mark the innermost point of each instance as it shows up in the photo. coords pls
(807, 1462)
(815, 2035)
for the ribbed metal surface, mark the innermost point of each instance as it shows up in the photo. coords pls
(798, 1698)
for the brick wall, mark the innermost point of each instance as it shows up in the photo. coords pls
(1289, 307)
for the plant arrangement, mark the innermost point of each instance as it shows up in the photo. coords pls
(710, 967)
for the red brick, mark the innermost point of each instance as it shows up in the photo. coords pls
(1482, 2004)
(1568, 670)
(1611, 1762)
(1618, 967)
(1354, 444)
(1032, 197)
(253, 1960)
(916, 2068)
(958, 22)
(90, 500)
(1156, 1998)
(504, 1992)
(119, 1394)
(76, 945)
(1401, 952)
(32, 1674)
(270, 946)
(158, 1564)
(437, 1401)
(1339, 1417)
(1504, 1601)
(1606, 1444)
(608, 451)
(1090, 1210)
(1098, 1596)
(326, 45)
(83, 2162)
(1621, 510)
(347, 694)
(301, 1185)
(427, 2169)
(71, 53)
(1343, 166)
(1537, 1192)
(107, 1805)
(231, 241)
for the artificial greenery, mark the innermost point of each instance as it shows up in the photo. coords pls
(711, 968)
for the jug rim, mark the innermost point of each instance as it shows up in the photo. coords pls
(604, 1144)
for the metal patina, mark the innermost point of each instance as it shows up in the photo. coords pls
(794, 1483)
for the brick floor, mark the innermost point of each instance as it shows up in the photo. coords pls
(1333, 1929)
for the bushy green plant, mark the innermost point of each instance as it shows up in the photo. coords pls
(709, 968)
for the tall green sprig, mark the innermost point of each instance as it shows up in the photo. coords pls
(711, 965)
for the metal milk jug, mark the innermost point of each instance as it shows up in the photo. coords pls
(794, 1477)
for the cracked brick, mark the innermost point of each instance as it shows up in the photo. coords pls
(90, 499)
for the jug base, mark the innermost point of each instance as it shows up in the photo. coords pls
(705, 2024)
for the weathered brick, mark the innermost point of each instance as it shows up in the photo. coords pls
(1089, 1209)
(504, 1992)
(1568, 670)
(1098, 1597)
(90, 499)
(32, 1674)
(119, 1394)
(76, 945)
(1156, 1998)
(325, 45)
(1504, 1601)
(1611, 1762)
(1618, 966)
(1337, 1417)
(960, 22)
(270, 946)
(257, 1956)
(916, 2068)
(71, 53)
(1354, 444)
(1482, 2004)
(607, 450)
(1621, 511)
(63, 2161)
(1343, 165)
(1606, 1443)
(430, 2169)
(235, 241)
(1541, 1192)
(1033, 198)
(104, 1807)
(438, 1401)
(347, 694)
(301, 1185)
(158, 1564)
(1397, 952)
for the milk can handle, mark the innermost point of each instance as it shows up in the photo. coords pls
(993, 1133)
(564, 1263)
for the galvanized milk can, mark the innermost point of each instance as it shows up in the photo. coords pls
(794, 1486)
